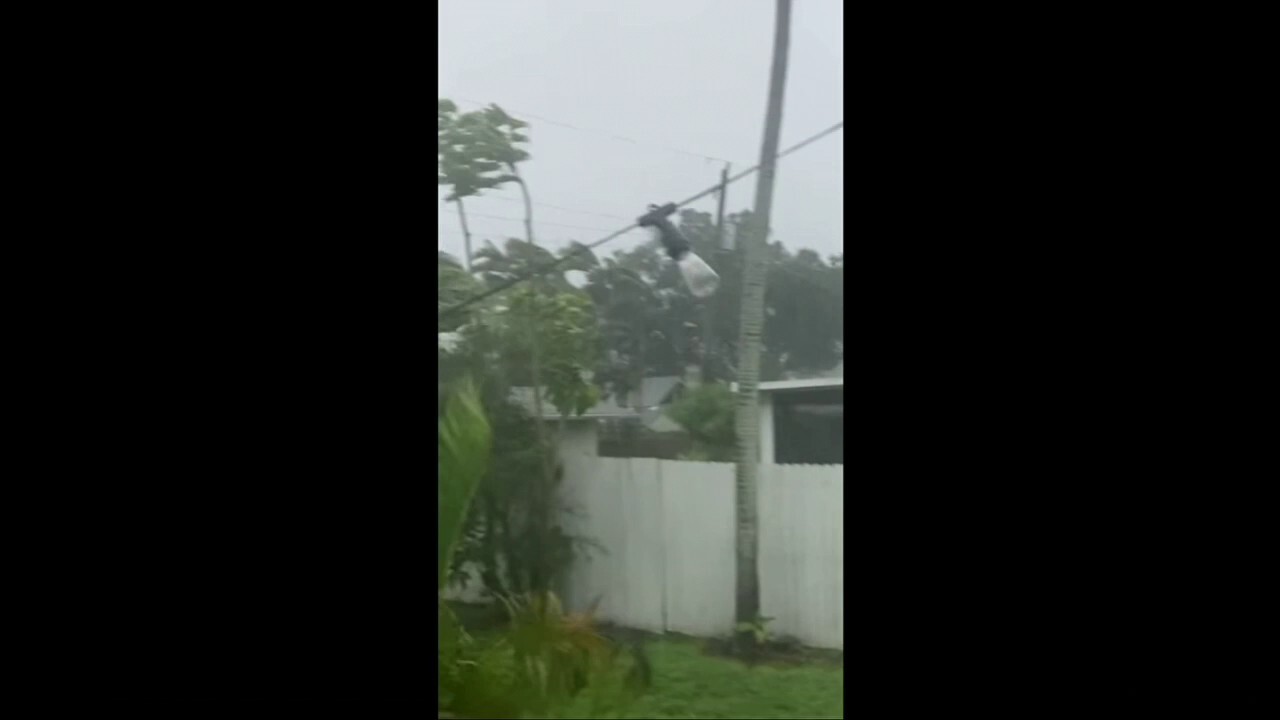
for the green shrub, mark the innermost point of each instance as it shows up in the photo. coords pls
(706, 413)
(545, 658)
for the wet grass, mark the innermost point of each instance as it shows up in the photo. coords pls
(690, 681)
(687, 683)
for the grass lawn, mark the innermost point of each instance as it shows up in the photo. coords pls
(689, 684)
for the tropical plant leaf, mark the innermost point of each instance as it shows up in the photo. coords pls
(464, 443)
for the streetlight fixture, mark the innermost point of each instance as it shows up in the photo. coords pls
(697, 274)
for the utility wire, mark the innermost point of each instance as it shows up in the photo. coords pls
(504, 198)
(611, 136)
(520, 220)
(618, 233)
(786, 269)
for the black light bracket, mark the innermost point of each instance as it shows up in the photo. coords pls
(672, 239)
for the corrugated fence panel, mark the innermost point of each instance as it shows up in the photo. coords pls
(802, 552)
(582, 482)
(590, 493)
(641, 547)
(616, 504)
(697, 502)
(667, 531)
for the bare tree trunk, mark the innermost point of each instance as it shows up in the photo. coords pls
(747, 416)
(528, 206)
(466, 237)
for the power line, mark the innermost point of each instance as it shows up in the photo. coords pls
(787, 269)
(590, 246)
(611, 136)
(521, 220)
(504, 198)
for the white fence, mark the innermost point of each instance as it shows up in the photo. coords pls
(667, 530)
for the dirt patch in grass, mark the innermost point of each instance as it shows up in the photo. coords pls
(690, 683)
(781, 651)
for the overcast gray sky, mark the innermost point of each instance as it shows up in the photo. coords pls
(688, 75)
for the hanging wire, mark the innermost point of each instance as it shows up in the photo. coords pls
(454, 309)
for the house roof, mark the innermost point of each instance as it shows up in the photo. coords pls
(654, 391)
(661, 423)
(824, 382)
(810, 383)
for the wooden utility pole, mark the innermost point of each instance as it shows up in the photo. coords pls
(708, 332)
(747, 416)
(724, 188)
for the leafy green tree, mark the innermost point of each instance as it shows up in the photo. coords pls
(519, 258)
(563, 327)
(804, 323)
(514, 534)
(481, 150)
(804, 312)
(706, 413)
(454, 284)
(628, 309)
(565, 324)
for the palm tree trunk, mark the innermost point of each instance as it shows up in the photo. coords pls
(747, 416)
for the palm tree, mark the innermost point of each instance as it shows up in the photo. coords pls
(747, 600)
